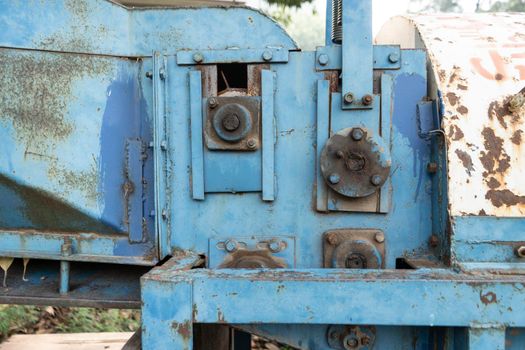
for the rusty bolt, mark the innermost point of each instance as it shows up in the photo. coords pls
(349, 98)
(267, 55)
(365, 340)
(433, 241)
(323, 59)
(340, 154)
(212, 102)
(379, 237)
(332, 239)
(432, 168)
(231, 122)
(350, 342)
(520, 252)
(334, 179)
(149, 75)
(376, 180)
(197, 57)
(393, 57)
(367, 100)
(357, 134)
(251, 143)
(334, 335)
(275, 246)
(231, 245)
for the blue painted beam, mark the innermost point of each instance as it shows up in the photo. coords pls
(263, 55)
(268, 136)
(386, 57)
(197, 151)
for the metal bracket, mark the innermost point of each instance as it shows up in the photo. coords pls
(266, 55)
(386, 57)
(160, 145)
(268, 136)
(197, 152)
(133, 190)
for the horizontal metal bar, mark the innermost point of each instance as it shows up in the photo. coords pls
(383, 56)
(268, 55)
(330, 296)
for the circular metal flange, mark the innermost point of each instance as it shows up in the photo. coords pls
(252, 259)
(232, 122)
(341, 337)
(356, 254)
(354, 163)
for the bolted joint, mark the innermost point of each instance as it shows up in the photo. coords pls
(275, 246)
(367, 100)
(212, 102)
(332, 239)
(379, 237)
(357, 134)
(323, 59)
(231, 245)
(251, 143)
(376, 180)
(393, 57)
(334, 179)
(520, 252)
(267, 55)
(197, 57)
(349, 98)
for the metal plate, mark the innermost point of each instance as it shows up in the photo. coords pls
(354, 248)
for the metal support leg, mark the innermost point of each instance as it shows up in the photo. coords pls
(486, 338)
(64, 277)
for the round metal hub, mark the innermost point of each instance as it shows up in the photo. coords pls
(232, 122)
(354, 163)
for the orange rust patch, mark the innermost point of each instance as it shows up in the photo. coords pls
(183, 329)
(494, 159)
(466, 160)
(504, 197)
(516, 137)
(488, 298)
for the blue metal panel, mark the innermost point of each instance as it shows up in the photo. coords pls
(197, 155)
(323, 132)
(357, 52)
(486, 338)
(268, 136)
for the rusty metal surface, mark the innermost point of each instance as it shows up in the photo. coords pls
(479, 67)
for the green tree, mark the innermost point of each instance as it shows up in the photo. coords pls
(508, 6)
(437, 5)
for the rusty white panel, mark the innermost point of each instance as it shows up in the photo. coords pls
(478, 63)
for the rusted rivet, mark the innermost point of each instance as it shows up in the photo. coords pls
(365, 340)
(231, 245)
(334, 179)
(349, 98)
(197, 57)
(323, 59)
(251, 143)
(275, 246)
(393, 57)
(433, 241)
(350, 342)
(367, 100)
(357, 134)
(332, 239)
(162, 74)
(163, 145)
(376, 180)
(432, 168)
(520, 252)
(164, 214)
(379, 237)
(340, 154)
(267, 55)
(212, 102)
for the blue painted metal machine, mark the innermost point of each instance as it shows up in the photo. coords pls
(357, 197)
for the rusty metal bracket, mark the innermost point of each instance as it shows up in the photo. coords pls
(354, 249)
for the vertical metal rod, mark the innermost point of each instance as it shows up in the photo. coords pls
(268, 136)
(64, 277)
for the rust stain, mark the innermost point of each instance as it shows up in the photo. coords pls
(452, 98)
(493, 183)
(466, 160)
(183, 329)
(455, 133)
(516, 137)
(504, 197)
(462, 110)
(488, 298)
(494, 159)
(462, 87)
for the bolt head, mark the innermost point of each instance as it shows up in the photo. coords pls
(332, 239)
(323, 59)
(376, 180)
(433, 241)
(432, 168)
(350, 342)
(231, 122)
(197, 57)
(379, 237)
(212, 102)
(334, 179)
(149, 75)
(349, 98)
(340, 154)
(267, 55)
(393, 57)
(230, 245)
(367, 100)
(251, 143)
(275, 246)
(357, 134)
(520, 252)
(365, 340)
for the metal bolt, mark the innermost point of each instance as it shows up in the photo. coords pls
(379, 237)
(162, 74)
(275, 246)
(432, 168)
(197, 57)
(393, 57)
(350, 342)
(164, 214)
(340, 154)
(66, 249)
(349, 98)
(357, 134)
(376, 180)
(267, 55)
(251, 143)
(520, 252)
(212, 102)
(367, 100)
(149, 75)
(433, 241)
(231, 122)
(231, 245)
(332, 239)
(323, 59)
(163, 145)
(334, 335)
(334, 179)
(365, 340)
